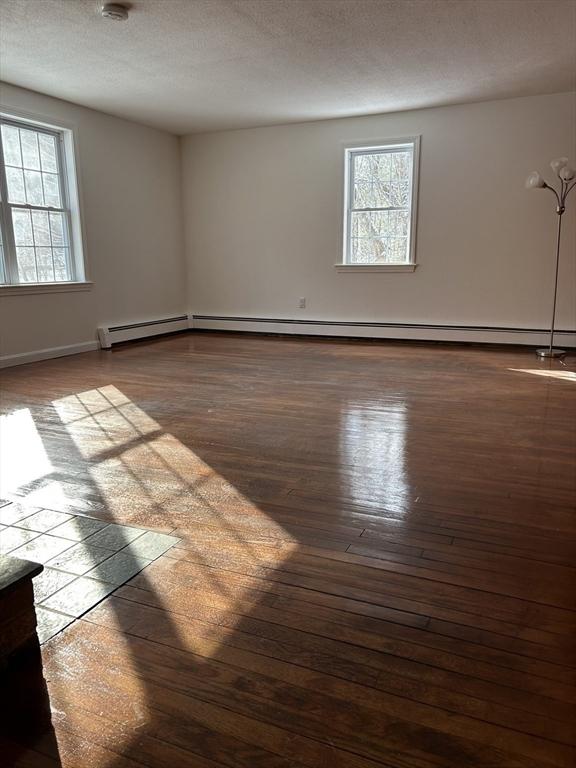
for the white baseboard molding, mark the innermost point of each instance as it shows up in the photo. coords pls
(6, 361)
(401, 331)
(530, 337)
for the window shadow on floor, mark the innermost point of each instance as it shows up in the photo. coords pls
(113, 673)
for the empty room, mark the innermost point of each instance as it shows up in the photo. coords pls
(288, 384)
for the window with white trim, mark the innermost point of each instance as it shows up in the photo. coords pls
(39, 237)
(380, 204)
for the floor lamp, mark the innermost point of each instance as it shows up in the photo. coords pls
(566, 174)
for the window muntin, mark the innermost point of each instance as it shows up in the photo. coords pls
(2, 268)
(379, 204)
(35, 211)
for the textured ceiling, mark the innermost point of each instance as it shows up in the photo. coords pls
(199, 65)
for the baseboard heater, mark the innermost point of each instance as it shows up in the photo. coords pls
(114, 334)
(385, 330)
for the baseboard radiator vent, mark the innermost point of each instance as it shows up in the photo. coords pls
(114, 334)
(386, 330)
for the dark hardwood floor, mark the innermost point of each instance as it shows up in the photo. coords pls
(377, 556)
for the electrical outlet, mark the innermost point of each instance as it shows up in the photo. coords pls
(302, 302)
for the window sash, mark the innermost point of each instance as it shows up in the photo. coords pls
(351, 155)
(9, 271)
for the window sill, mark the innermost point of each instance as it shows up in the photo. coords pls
(20, 288)
(375, 267)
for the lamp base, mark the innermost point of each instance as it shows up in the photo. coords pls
(547, 352)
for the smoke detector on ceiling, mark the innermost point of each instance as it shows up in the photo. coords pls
(114, 11)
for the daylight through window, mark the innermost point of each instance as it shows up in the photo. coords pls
(380, 204)
(36, 219)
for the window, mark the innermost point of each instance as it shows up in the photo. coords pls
(40, 241)
(380, 205)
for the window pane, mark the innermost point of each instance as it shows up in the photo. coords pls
(399, 194)
(380, 223)
(379, 237)
(41, 228)
(401, 165)
(48, 152)
(11, 145)
(44, 265)
(385, 250)
(371, 174)
(30, 153)
(26, 265)
(15, 181)
(33, 182)
(22, 227)
(61, 260)
(58, 229)
(382, 180)
(51, 190)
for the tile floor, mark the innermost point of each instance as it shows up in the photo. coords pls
(84, 559)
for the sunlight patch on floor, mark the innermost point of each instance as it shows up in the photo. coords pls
(550, 373)
(135, 467)
(22, 454)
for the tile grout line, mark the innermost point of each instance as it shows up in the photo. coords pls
(108, 586)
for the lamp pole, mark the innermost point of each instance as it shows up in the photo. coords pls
(535, 181)
(550, 351)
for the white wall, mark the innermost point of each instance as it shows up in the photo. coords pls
(263, 211)
(130, 183)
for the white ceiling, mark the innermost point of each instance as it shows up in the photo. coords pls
(200, 65)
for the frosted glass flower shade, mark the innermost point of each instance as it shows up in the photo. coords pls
(535, 181)
(558, 164)
(567, 173)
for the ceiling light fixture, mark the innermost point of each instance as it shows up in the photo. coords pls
(114, 11)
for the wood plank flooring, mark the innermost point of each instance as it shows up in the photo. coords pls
(377, 556)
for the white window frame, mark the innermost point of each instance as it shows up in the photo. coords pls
(366, 147)
(70, 190)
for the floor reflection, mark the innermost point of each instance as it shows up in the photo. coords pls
(373, 445)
